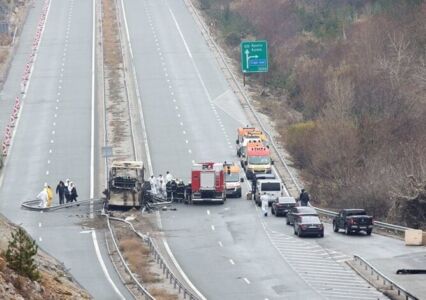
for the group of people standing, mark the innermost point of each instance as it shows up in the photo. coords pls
(168, 187)
(66, 191)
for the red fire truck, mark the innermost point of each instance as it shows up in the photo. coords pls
(208, 182)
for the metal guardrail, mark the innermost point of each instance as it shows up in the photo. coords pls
(272, 142)
(34, 205)
(145, 292)
(386, 281)
(160, 260)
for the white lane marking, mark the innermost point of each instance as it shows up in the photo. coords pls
(40, 239)
(232, 262)
(220, 244)
(53, 132)
(189, 151)
(186, 141)
(178, 115)
(92, 121)
(246, 280)
(213, 228)
(39, 224)
(51, 141)
(208, 212)
(181, 34)
(145, 135)
(191, 285)
(104, 269)
(166, 245)
(184, 132)
(50, 151)
(48, 161)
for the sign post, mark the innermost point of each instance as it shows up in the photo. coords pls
(254, 57)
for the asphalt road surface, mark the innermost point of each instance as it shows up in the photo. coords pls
(53, 141)
(228, 251)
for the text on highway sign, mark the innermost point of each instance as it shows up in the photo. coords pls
(254, 56)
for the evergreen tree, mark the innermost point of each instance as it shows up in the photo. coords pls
(20, 255)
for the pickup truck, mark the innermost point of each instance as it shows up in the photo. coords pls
(353, 220)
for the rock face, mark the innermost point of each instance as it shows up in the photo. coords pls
(410, 210)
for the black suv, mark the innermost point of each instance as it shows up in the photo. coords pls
(299, 211)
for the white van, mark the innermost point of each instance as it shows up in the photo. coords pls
(273, 187)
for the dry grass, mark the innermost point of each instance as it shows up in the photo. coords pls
(160, 294)
(137, 254)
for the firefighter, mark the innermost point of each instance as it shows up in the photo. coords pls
(188, 192)
(180, 192)
(173, 186)
(169, 190)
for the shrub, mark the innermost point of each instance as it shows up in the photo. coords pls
(298, 139)
(20, 255)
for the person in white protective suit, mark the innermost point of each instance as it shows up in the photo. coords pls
(264, 199)
(169, 177)
(42, 196)
(164, 189)
(153, 183)
(160, 180)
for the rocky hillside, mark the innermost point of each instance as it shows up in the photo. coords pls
(346, 89)
(55, 282)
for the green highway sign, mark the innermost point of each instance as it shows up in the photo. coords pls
(254, 56)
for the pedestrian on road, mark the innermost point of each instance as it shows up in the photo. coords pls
(253, 186)
(160, 181)
(180, 192)
(173, 186)
(67, 191)
(188, 192)
(169, 190)
(304, 198)
(42, 196)
(153, 183)
(169, 177)
(60, 190)
(49, 196)
(264, 199)
(73, 192)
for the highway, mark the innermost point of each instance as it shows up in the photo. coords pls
(229, 251)
(54, 141)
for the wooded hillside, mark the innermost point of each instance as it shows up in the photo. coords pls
(353, 72)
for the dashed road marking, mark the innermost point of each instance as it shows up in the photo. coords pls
(246, 280)
(231, 262)
(208, 212)
(213, 228)
(220, 244)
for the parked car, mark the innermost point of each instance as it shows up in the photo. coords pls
(299, 211)
(282, 205)
(308, 225)
(353, 220)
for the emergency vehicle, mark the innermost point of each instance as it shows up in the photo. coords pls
(257, 160)
(233, 179)
(208, 182)
(246, 135)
